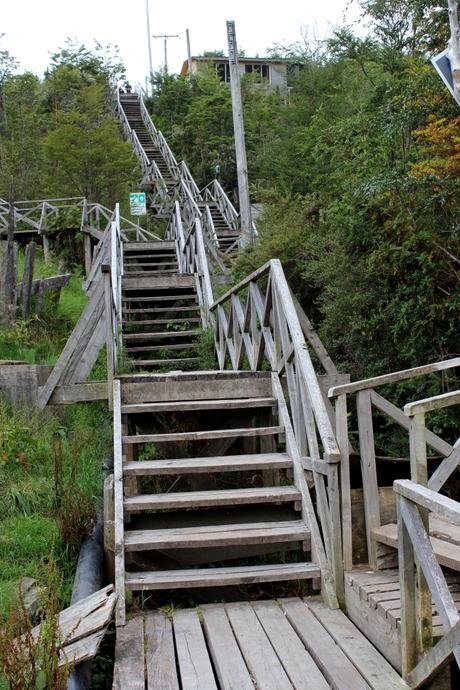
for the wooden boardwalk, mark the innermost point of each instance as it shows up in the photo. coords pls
(268, 645)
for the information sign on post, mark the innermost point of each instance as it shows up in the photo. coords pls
(138, 204)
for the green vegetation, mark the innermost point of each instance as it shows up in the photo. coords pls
(48, 461)
(359, 179)
(58, 135)
(40, 339)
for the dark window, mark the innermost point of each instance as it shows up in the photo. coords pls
(260, 71)
(223, 71)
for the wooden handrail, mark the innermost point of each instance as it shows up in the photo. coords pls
(402, 375)
(437, 402)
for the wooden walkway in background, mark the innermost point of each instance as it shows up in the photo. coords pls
(268, 645)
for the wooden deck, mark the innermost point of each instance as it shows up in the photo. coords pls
(268, 645)
(374, 604)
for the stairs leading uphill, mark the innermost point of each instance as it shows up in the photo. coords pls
(161, 315)
(131, 105)
(206, 484)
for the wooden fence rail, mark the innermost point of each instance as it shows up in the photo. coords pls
(256, 321)
(368, 400)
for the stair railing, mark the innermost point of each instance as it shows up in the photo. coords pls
(257, 322)
(422, 580)
(186, 175)
(214, 192)
(159, 140)
(368, 400)
(192, 258)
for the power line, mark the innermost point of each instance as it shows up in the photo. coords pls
(166, 36)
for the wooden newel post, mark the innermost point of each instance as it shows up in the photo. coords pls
(247, 233)
(419, 474)
(28, 278)
(8, 278)
(109, 332)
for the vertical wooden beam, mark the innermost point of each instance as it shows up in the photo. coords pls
(28, 278)
(369, 472)
(109, 333)
(120, 613)
(341, 423)
(87, 248)
(8, 278)
(419, 474)
(247, 234)
(407, 585)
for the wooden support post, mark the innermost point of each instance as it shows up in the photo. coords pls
(369, 472)
(109, 332)
(247, 233)
(341, 422)
(87, 247)
(46, 248)
(120, 615)
(419, 474)
(407, 583)
(28, 278)
(8, 278)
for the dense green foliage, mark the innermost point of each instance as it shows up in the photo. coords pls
(58, 135)
(359, 177)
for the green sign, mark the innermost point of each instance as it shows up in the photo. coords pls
(138, 204)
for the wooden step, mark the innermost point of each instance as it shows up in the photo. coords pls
(446, 550)
(204, 435)
(129, 247)
(216, 535)
(160, 283)
(224, 463)
(158, 322)
(172, 362)
(193, 405)
(188, 296)
(218, 577)
(161, 335)
(163, 347)
(223, 497)
(161, 310)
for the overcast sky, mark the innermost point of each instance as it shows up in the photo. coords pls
(34, 28)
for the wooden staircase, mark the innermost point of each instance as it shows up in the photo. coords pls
(226, 235)
(132, 108)
(161, 315)
(205, 485)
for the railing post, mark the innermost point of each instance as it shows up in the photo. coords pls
(369, 472)
(341, 423)
(407, 575)
(109, 325)
(419, 474)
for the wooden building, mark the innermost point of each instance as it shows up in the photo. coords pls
(265, 70)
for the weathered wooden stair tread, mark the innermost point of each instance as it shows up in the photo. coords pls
(201, 435)
(225, 463)
(216, 535)
(175, 361)
(161, 335)
(225, 576)
(163, 347)
(222, 497)
(173, 297)
(447, 550)
(161, 310)
(158, 322)
(193, 405)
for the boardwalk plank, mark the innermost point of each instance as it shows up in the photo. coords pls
(257, 651)
(228, 661)
(370, 663)
(161, 662)
(297, 662)
(128, 673)
(336, 667)
(194, 664)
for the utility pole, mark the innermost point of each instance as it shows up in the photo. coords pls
(166, 36)
(189, 54)
(149, 42)
(247, 232)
